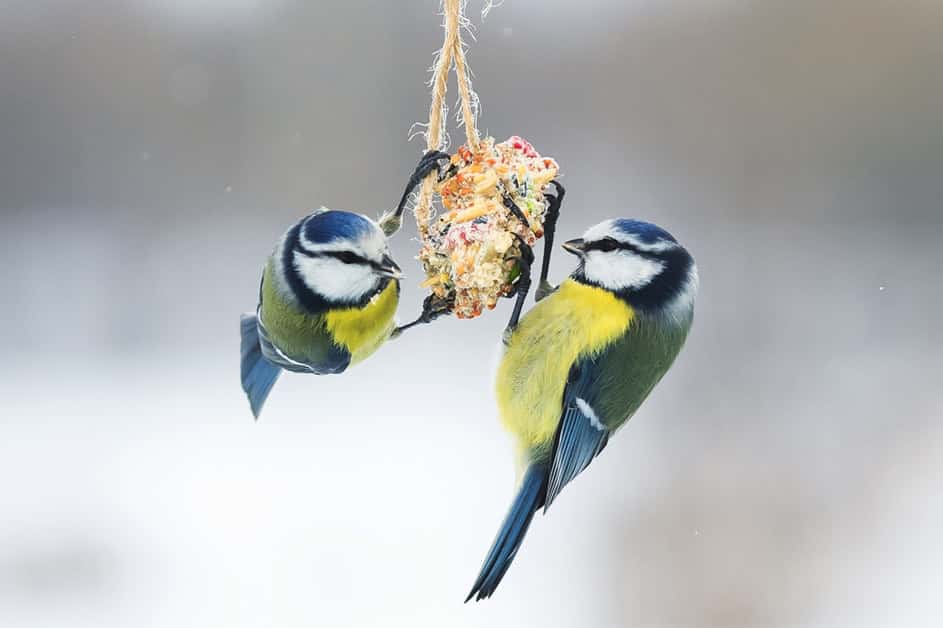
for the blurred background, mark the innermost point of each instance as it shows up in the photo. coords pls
(785, 473)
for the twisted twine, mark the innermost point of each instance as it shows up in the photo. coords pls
(451, 53)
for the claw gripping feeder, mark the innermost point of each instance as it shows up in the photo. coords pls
(491, 196)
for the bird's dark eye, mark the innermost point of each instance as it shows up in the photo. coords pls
(606, 244)
(347, 257)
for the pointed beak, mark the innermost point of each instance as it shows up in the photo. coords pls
(576, 247)
(388, 268)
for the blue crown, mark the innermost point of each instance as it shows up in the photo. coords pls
(644, 231)
(333, 224)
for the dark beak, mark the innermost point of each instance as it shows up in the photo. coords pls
(388, 268)
(576, 247)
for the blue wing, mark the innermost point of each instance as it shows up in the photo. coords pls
(602, 392)
(258, 374)
(581, 435)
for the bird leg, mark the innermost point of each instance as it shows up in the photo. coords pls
(525, 260)
(512, 206)
(432, 308)
(392, 221)
(550, 226)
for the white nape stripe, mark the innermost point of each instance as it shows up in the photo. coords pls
(370, 245)
(653, 247)
(679, 309)
(281, 281)
(337, 246)
(587, 410)
(608, 229)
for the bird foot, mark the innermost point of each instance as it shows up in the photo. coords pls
(391, 222)
(432, 308)
(525, 260)
(544, 290)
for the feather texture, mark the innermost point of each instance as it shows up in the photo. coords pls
(583, 360)
(530, 498)
(577, 321)
(257, 373)
(581, 436)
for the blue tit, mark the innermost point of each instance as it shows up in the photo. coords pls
(579, 364)
(327, 300)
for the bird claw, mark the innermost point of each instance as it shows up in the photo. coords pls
(544, 290)
(527, 252)
(429, 162)
(558, 192)
(554, 201)
(434, 307)
(391, 222)
(526, 260)
(554, 193)
(514, 209)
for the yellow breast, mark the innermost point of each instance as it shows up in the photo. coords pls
(574, 322)
(362, 330)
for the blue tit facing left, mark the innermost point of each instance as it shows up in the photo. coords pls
(328, 297)
(581, 362)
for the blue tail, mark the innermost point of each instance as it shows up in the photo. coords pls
(258, 374)
(529, 499)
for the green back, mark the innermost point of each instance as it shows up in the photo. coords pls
(627, 371)
(300, 335)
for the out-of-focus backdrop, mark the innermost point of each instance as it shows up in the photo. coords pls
(786, 473)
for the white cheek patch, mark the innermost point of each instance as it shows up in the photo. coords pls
(620, 270)
(681, 306)
(335, 280)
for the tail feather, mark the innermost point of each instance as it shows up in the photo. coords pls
(530, 498)
(258, 374)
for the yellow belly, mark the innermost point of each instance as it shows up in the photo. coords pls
(362, 330)
(574, 322)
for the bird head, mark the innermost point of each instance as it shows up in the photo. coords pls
(344, 257)
(639, 262)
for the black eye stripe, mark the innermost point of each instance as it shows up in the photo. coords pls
(611, 244)
(347, 257)
(608, 244)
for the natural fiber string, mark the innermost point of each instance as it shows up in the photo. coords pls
(452, 51)
(469, 100)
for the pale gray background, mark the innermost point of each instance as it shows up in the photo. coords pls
(786, 473)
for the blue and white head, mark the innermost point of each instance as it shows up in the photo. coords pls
(336, 258)
(640, 262)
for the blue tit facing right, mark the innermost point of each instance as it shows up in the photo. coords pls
(581, 362)
(328, 296)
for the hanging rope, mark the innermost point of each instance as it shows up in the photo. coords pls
(451, 53)
(468, 97)
(491, 194)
